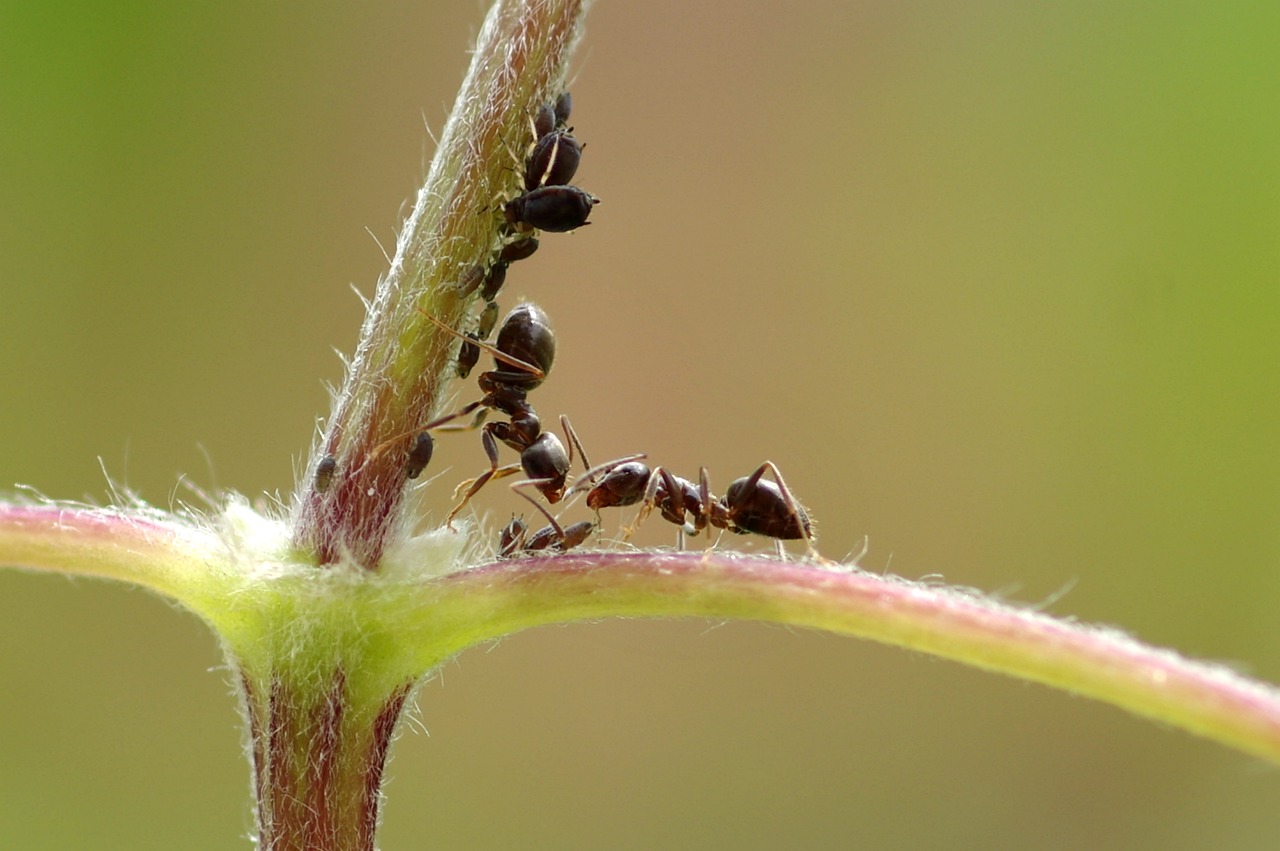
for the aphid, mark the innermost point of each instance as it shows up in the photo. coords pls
(520, 249)
(515, 537)
(545, 121)
(554, 160)
(564, 105)
(552, 208)
(420, 454)
(488, 319)
(493, 281)
(553, 116)
(325, 469)
(470, 279)
(468, 356)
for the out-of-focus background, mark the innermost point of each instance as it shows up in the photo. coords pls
(995, 285)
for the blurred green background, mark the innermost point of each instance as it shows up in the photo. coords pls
(995, 284)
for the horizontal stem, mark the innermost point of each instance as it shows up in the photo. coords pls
(1203, 699)
(157, 551)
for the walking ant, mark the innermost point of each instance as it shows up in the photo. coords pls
(752, 504)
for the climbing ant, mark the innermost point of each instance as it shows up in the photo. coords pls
(523, 354)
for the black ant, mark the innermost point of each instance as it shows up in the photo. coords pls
(515, 537)
(523, 354)
(752, 504)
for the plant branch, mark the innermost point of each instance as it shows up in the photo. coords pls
(397, 378)
(145, 547)
(1100, 663)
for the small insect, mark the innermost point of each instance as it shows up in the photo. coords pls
(325, 469)
(564, 105)
(519, 249)
(552, 208)
(420, 454)
(554, 160)
(515, 537)
(493, 281)
(552, 116)
(470, 280)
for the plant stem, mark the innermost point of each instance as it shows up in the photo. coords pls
(397, 378)
(1104, 664)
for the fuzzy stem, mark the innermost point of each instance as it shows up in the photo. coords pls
(318, 759)
(142, 546)
(1104, 664)
(397, 378)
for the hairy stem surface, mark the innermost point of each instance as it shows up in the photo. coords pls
(398, 376)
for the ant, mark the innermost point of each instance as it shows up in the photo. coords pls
(515, 537)
(526, 344)
(752, 504)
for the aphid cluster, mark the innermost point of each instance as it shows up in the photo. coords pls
(549, 202)
(523, 354)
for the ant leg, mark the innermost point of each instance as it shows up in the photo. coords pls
(553, 536)
(646, 504)
(491, 450)
(518, 487)
(476, 422)
(376, 451)
(493, 350)
(572, 437)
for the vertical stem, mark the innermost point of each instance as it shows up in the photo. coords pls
(397, 377)
(318, 760)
